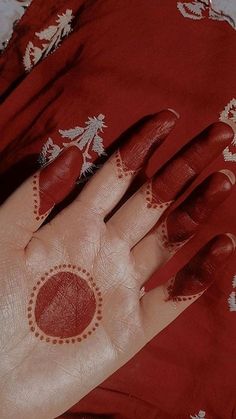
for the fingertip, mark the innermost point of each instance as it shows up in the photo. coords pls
(221, 132)
(221, 247)
(232, 238)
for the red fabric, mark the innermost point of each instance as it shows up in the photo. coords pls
(126, 60)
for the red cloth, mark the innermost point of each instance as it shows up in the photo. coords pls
(124, 60)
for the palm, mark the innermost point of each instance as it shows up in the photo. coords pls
(114, 341)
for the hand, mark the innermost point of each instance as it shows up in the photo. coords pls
(72, 311)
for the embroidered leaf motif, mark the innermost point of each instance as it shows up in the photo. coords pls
(53, 34)
(232, 297)
(71, 133)
(49, 151)
(47, 34)
(220, 10)
(201, 414)
(87, 167)
(32, 55)
(193, 10)
(98, 145)
(87, 139)
(232, 301)
(229, 116)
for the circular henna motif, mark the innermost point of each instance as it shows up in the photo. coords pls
(65, 305)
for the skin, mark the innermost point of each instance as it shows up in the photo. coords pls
(71, 308)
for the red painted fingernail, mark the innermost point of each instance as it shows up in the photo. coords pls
(58, 178)
(145, 139)
(203, 269)
(183, 168)
(184, 221)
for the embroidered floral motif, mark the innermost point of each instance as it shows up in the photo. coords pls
(10, 12)
(201, 414)
(221, 10)
(50, 39)
(229, 116)
(87, 139)
(232, 297)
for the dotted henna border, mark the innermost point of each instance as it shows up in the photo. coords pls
(121, 169)
(180, 297)
(95, 323)
(154, 202)
(164, 239)
(36, 199)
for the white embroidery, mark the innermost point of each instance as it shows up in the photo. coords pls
(229, 116)
(232, 297)
(221, 10)
(86, 138)
(10, 12)
(192, 10)
(201, 414)
(49, 151)
(50, 37)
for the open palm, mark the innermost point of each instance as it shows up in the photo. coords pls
(73, 307)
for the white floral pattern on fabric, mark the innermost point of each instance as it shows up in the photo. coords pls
(200, 415)
(232, 297)
(87, 139)
(10, 12)
(229, 116)
(50, 39)
(221, 10)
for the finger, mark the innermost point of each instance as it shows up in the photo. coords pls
(163, 304)
(109, 184)
(141, 212)
(179, 226)
(28, 207)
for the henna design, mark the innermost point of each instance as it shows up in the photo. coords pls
(122, 169)
(144, 140)
(203, 269)
(152, 199)
(184, 221)
(164, 239)
(175, 298)
(65, 305)
(55, 181)
(36, 197)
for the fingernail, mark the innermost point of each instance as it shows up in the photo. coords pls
(146, 138)
(57, 179)
(175, 112)
(203, 269)
(232, 238)
(229, 174)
